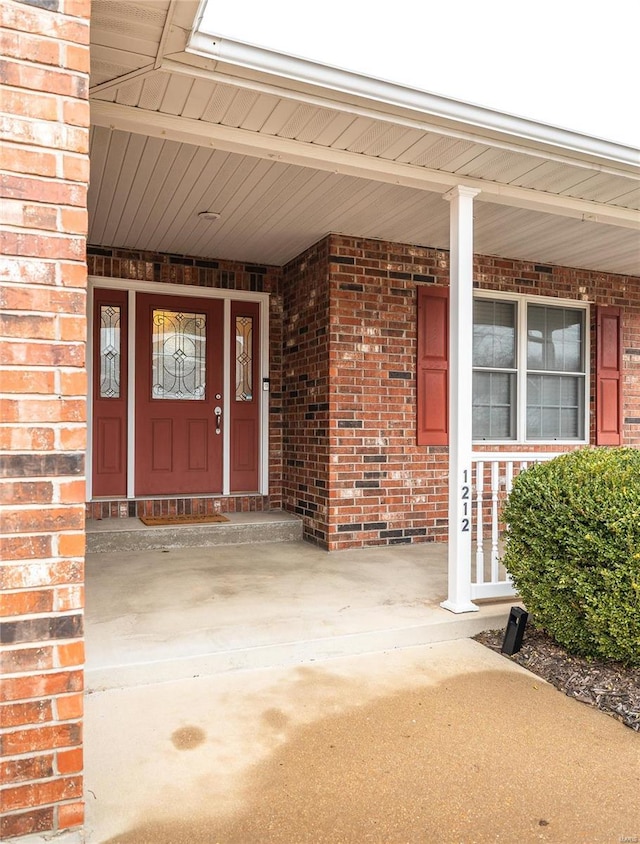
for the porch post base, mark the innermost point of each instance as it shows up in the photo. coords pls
(464, 606)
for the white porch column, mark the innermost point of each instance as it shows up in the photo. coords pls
(460, 386)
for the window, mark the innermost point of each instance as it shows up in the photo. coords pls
(529, 369)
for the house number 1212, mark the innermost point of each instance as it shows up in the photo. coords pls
(464, 496)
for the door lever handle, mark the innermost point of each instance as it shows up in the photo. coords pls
(218, 413)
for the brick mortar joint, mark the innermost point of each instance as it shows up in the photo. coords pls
(20, 675)
(42, 754)
(44, 643)
(37, 699)
(40, 367)
(52, 95)
(48, 68)
(34, 232)
(39, 615)
(61, 802)
(60, 154)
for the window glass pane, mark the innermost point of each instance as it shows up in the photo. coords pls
(244, 358)
(555, 407)
(555, 339)
(481, 422)
(110, 316)
(570, 423)
(178, 355)
(494, 334)
(494, 405)
(534, 422)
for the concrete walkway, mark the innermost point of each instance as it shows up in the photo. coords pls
(434, 744)
(276, 694)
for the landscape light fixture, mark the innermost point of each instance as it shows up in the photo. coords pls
(514, 632)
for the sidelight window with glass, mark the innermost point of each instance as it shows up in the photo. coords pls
(244, 359)
(110, 351)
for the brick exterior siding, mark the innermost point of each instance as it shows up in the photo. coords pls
(383, 488)
(306, 391)
(45, 168)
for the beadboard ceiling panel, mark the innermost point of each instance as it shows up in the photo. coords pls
(124, 36)
(153, 90)
(553, 176)
(498, 166)
(537, 237)
(631, 199)
(110, 64)
(147, 187)
(264, 204)
(602, 187)
(146, 193)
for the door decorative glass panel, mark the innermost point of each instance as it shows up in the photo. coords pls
(178, 368)
(244, 358)
(110, 353)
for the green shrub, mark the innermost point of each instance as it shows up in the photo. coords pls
(573, 550)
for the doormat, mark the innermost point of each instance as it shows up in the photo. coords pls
(153, 521)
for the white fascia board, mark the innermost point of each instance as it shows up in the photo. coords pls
(245, 142)
(308, 72)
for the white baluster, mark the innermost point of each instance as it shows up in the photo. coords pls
(479, 492)
(495, 486)
(509, 476)
(508, 486)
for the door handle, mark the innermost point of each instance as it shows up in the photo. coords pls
(218, 413)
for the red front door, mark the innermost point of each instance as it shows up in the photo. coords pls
(179, 410)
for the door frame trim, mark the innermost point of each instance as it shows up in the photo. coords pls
(133, 287)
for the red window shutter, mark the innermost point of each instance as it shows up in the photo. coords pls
(609, 376)
(433, 366)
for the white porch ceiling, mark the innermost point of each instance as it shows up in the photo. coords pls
(175, 134)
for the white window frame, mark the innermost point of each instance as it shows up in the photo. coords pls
(522, 300)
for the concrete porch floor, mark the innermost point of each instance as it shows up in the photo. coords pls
(160, 615)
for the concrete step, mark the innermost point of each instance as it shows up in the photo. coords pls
(439, 626)
(131, 534)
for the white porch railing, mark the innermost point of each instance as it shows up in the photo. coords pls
(492, 480)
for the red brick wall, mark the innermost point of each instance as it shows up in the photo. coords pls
(44, 173)
(228, 275)
(384, 489)
(305, 391)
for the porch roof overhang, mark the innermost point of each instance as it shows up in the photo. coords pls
(288, 150)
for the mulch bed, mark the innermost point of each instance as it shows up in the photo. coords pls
(609, 686)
